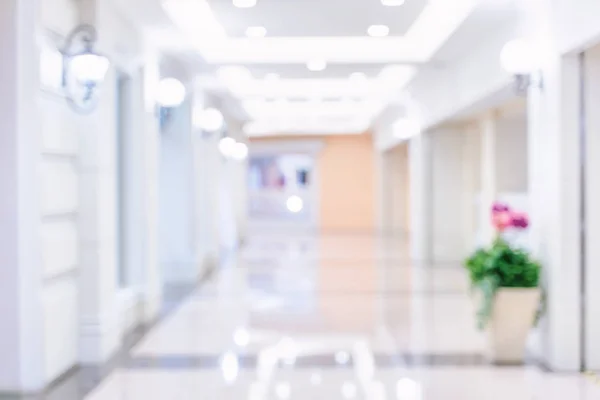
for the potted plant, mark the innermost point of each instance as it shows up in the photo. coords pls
(506, 280)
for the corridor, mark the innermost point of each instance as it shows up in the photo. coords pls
(330, 317)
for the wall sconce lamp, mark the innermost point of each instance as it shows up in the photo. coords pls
(520, 59)
(211, 121)
(83, 69)
(171, 94)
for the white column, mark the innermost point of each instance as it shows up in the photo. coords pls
(100, 328)
(447, 196)
(393, 189)
(206, 154)
(240, 195)
(420, 197)
(384, 207)
(148, 138)
(227, 215)
(21, 314)
(488, 175)
(472, 184)
(592, 208)
(554, 160)
(177, 196)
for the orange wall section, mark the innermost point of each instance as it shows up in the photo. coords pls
(346, 179)
(346, 167)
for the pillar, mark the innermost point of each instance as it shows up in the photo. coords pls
(489, 190)
(555, 192)
(472, 185)
(393, 190)
(100, 329)
(420, 159)
(177, 196)
(383, 192)
(148, 139)
(446, 196)
(21, 314)
(592, 208)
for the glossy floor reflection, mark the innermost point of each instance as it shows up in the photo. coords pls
(336, 317)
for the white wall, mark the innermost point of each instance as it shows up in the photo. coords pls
(67, 311)
(511, 154)
(177, 213)
(21, 313)
(447, 188)
(60, 210)
(394, 190)
(419, 169)
(592, 201)
(556, 27)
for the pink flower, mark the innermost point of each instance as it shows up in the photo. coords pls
(502, 220)
(500, 208)
(520, 220)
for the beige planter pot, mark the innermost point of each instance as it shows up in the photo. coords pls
(510, 323)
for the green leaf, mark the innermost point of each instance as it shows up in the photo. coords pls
(500, 265)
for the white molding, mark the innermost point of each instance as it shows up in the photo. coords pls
(98, 338)
(287, 146)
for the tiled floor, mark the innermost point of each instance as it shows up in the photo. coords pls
(337, 317)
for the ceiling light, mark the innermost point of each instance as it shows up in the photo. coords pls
(271, 77)
(241, 337)
(396, 74)
(244, 3)
(256, 31)
(226, 146)
(316, 65)
(358, 77)
(392, 3)
(342, 357)
(233, 74)
(283, 390)
(194, 17)
(378, 30)
(349, 390)
(230, 367)
(209, 120)
(239, 152)
(316, 379)
(171, 92)
(407, 388)
(406, 128)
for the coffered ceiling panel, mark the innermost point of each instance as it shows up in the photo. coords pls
(316, 18)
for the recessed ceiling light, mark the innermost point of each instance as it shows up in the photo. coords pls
(358, 77)
(392, 3)
(271, 77)
(349, 390)
(233, 74)
(342, 357)
(378, 30)
(283, 389)
(316, 65)
(256, 31)
(244, 3)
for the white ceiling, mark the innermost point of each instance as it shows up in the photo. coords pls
(316, 18)
(269, 77)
